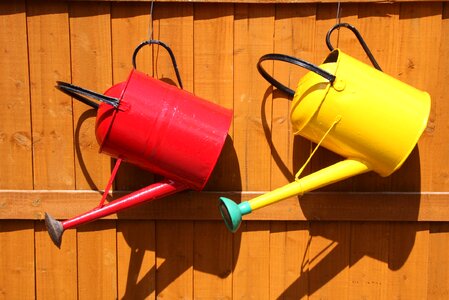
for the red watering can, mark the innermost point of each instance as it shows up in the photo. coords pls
(156, 126)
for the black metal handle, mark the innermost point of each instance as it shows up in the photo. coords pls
(78, 93)
(359, 38)
(166, 47)
(292, 60)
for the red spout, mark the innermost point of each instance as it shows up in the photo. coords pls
(152, 192)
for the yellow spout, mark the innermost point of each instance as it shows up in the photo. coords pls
(334, 173)
(232, 212)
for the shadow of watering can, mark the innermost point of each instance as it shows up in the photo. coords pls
(157, 127)
(357, 111)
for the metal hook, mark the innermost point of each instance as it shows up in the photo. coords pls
(359, 37)
(170, 52)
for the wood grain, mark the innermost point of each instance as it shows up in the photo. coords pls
(136, 259)
(368, 260)
(203, 206)
(368, 237)
(17, 260)
(328, 265)
(174, 260)
(15, 126)
(408, 260)
(212, 261)
(97, 260)
(56, 268)
(250, 90)
(252, 260)
(90, 46)
(49, 48)
(438, 283)
(214, 77)
(289, 256)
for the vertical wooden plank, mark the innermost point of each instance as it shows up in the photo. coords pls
(130, 24)
(329, 260)
(97, 260)
(15, 125)
(212, 267)
(90, 37)
(250, 90)
(438, 271)
(174, 249)
(295, 36)
(252, 260)
(136, 259)
(368, 260)
(49, 51)
(213, 77)
(173, 24)
(288, 260)
(437, 126)
(420, 31)
(213, 49)
(17, 259)
(408, 260)
(213, 81)
(17, 279)
(378, 24)
(56, 268)
(251, 256)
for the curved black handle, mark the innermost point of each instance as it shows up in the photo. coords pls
(292, 60)
(166, 47)
(78, 93)
(359, 38)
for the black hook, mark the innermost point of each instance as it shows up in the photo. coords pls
(359, 37)
(170, 52)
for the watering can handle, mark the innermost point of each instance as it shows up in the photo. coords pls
(78, 93)
(359, 38)
(292, 60)
(166, 47)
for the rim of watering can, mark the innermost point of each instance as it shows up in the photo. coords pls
(122, 86)
(297, 100)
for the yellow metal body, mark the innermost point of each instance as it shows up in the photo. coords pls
(382, 118)
(366, 116)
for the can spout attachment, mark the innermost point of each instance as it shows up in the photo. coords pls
(55, 229)
(232, 212)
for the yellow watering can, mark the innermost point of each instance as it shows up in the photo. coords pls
(352, 109)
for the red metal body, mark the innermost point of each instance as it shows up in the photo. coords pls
(163, 129)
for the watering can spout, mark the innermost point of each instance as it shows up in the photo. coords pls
(232, 212)
(55, 229)
(154, 191)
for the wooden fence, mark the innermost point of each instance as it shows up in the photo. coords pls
(365, 238)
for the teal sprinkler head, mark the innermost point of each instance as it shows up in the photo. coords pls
(232, 212)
